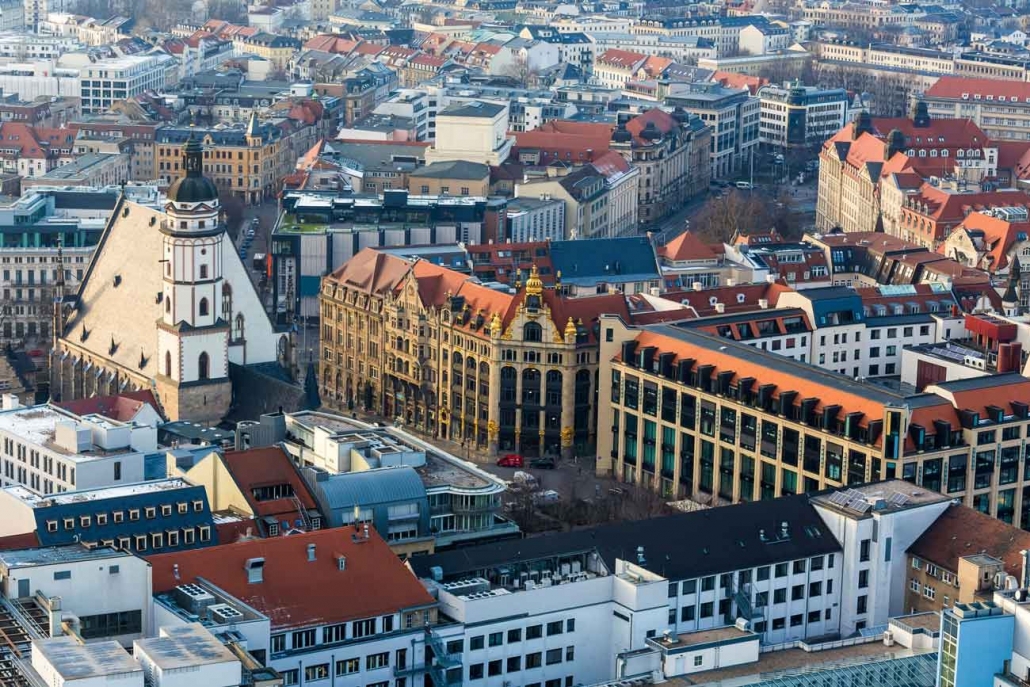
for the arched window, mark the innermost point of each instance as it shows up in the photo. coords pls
(237, 331)
(168, 304)
(203, 307)
(203, 366)
(203, 271)
(168, 364)
(532, 332)
(226, 302)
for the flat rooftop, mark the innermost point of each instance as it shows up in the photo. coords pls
(56, 555)
(440, 469)
(889, 496)
(715, 635)
(74, 661)
(114, 492)
(796, 662)
(185, 646)
(36, 425)
(81, 165)
(919, 621)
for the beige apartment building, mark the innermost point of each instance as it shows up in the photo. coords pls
(450, 357)
(687, 413)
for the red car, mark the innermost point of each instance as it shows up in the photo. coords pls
(512, 460)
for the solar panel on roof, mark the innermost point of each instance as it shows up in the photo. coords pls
(897, 499)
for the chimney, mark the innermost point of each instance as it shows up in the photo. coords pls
(55, 615)
(366, 530)
(640, 556)
(698, 286)
(784, 530)
(175, 571)
(763, 303)
(720, 308)
(731, 282)
(255, 568)
(311, 553)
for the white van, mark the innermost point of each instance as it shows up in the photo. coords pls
(745, 185)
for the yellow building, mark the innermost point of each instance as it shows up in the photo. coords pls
(278, 50)
(247, 162)
(448, 356)
(686, 413)
(457, 178)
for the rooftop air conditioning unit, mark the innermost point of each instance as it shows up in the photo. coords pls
(224, 614)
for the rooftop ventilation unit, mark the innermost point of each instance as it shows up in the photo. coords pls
(194, 598)
(224, 614)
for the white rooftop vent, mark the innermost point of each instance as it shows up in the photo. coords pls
(255, 568)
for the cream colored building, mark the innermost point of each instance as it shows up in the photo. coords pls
(473, 132)
(689, 414)
(448, 356)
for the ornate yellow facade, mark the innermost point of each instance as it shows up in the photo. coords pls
(445, 355)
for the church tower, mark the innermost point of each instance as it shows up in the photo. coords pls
(1010, 300)
(193, 338)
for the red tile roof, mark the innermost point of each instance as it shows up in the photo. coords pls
(623, 59)
(957, 87)
(962, 531)
(686, 246)
(262, 467)
(122, 407)
(736, 80)
(297, 593)
(13, 542)
(998, 237)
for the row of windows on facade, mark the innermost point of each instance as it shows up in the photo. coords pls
(37, 461)
(340, 632)
(118, 516)
(515, 664)
(156, 540)
(351, 666)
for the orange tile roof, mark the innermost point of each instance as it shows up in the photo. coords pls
(998, 237)
(734, 361)
(957, 86)
(686, 246)
(740, 81)
(653, 66)
(294, 592)
(623, 59)
(262, 467)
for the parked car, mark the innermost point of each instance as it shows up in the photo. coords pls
(542, 463)
(548, 496)
(524, 480)
(512, 460)
(745, 185)
(251, 233)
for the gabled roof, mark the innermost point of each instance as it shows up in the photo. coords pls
(686, 246)
(372, 272)
(610, 260)
(295, 592)
(122, 407)
(998, 236)
(962, 531)
(622, 59)
(719, 540)
(263, 467)
(965, 88)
